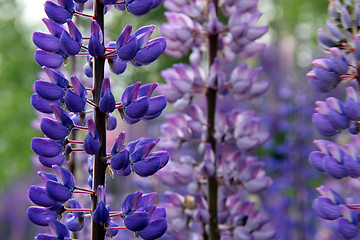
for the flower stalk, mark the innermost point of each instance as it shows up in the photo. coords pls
(211, 95)
(99, 169)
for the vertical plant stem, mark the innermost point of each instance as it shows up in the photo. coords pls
(211, 109)
(99, 169)
(73, 134)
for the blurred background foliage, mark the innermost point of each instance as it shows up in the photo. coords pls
(17, 74)
(294, 22)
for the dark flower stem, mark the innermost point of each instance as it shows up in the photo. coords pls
(99, 169)
(211, 109)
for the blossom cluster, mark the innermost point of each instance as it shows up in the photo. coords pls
(67, 107)
(213, 135)
(341, 41)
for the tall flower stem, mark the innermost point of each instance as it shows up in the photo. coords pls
(99, 170)
(211, 109)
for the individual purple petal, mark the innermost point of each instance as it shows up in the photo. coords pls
(117, 66)
(67, 4)
(146, 199)
(159, 213)
(96, 29)
(323, 125)
(107, 102)
(334, 168)
(352, 109)
(139, 8)
(130, 93)
(257, 184)
(130, 120)
(156, 105)
(92, 128)
(124, 172)
(340, 121)
(38, 215)
(326, 75)
(347, 229)
(54, 28)
(74, 32)
(73, 223)
(119, 143)
(334, 31)
(143, 34)
(124, 36)
(57, 13)
(325, 39)
(74, 102)
(142, 148)
(164, 157)
(352, 166)
(132, 145)
(147, 167)
(101, 214)
(47, 176)
(326, 209)
(154, 230)
(46, 42)
(57, 191)
(57, 160)
(56, 77)
(111, 122)
(138, 108)
(53, 129)
(316, 159)
(131, 202)
(96, 49)
(64, 176)
(69, 45)
(63, 117)
(59, 230)
(39, 197)
(147, 89)
(346, 19)
(321, 86)
(338, 60)
(120, 160)
(78, 87)
(48, 90)
(112, 233)
(75, 204)
(48, 59)
(88, 70)
(151, 51)
(128, 50)
(46, 147)
(91, 144)
(136, 221)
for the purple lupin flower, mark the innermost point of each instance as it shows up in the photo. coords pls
(68, 108)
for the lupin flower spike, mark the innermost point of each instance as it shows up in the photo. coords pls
(58, 97)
